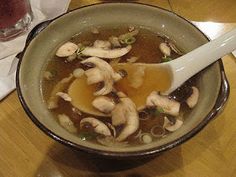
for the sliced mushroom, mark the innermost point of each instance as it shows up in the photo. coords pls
(169, 106)
(121, 94)
(66, 49)
(102, 72)
(114, 61)
(119, 75)
(165, 49)
(78, 72)
(114, 41)
(66, 123)
(192, 100)
(64, 96)
(103, 104)
(99, 126)
(94, 75)
(59, 87)
(132, 59)
(111, 142)
(129, 115)
(138, 134)
(166, 122)
(118, 114)
(71, 57)
(112, 128)
(106, 53)
(76, 111)
(128, 34)
(172, 127)
(102, 44)
(48, 75)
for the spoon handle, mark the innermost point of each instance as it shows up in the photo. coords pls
(188, 65)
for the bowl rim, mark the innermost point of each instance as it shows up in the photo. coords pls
(218, 107)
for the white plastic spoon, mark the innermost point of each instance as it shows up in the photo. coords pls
(191, 63)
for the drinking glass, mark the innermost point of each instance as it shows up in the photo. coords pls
(15, 18)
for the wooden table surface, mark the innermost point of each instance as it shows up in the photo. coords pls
(25, 151)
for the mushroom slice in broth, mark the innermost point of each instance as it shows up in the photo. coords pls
(132, 120)
(192, 100)
(99, 126)
(103, 104)
(111, 142)
(102, 44)
(165, 49)
(66, 49)
(59, 87)
(66, 123)
(105, 73)
(172, 126)
(168, 105)
(106, 53)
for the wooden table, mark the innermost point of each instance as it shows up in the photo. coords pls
(25, 151)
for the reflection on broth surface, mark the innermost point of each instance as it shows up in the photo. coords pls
(93, 94)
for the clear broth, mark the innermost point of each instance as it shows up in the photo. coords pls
(146, 48)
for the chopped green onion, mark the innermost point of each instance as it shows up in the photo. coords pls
(161, 110)
(87, 136)
(158, 111)
(81, 48)
(80, 56)
(166, 59)
(128, 40)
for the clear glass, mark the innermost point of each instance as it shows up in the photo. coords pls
(15, 18)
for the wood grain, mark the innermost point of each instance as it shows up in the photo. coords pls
(200, 10)
(25, 151)
(161, 3)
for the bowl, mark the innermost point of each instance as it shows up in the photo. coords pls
(47, 37)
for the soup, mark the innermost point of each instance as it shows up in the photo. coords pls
(95, 88)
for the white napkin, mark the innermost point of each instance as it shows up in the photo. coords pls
(43, 10)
